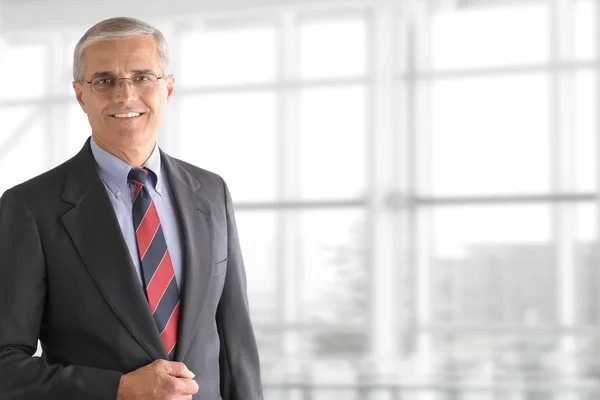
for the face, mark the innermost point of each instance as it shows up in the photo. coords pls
(113, 116)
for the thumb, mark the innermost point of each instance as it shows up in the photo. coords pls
(179, 370)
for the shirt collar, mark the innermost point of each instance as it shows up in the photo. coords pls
(113, 171)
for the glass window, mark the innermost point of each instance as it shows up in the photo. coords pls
(586, 38)
(490, 135)
(64, 66)
(333, 48)
(585, 101)
(23, 146)
(221, 56)
(493, 266)
(258, 238)
(335, 276)
(491, 36)
(25, 71)
(233, 135)
(78, 129)
(493, 358)
(334, 142)
(587, 275)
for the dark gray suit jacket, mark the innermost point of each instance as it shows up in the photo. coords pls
(66, 277)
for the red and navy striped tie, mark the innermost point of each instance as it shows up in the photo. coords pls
(157, 269)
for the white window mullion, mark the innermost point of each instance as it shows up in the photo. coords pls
(56, 122)
(404, 122)
(384, 291)
(597, 108)
(289, 223)
(423, 141)
(564, 216)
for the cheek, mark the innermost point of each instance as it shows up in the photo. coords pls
(157, 106)
(93, 108)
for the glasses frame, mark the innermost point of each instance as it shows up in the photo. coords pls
(129, 82)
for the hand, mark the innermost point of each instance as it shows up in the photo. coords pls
(161, 380)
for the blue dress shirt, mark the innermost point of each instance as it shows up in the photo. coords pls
(113, 171)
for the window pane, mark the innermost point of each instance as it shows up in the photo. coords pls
(585, 357)
(78, 129)
(517, 361)
(491, 36)
(269, 342)
(587, 276)
(493, 265)
(27, 63)
(585, 29)
(64, 65)
(233, 135)
(258, 239)
(228, 56)
(334, 146)
(490, 135)
(586, 122)
(335, 276)
(22, 138)
(333, 48)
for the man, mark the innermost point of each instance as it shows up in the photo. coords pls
(123, 261)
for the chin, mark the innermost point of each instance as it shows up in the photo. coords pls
(134, 137)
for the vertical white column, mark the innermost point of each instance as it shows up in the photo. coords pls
(383, 151)
(597, 108)
(1, 29)
(289, 256)
(58, 85)
(597, 113)
(422, 139)
(562, 128)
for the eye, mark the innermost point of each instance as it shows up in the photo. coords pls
(142, 78)
(104, 83)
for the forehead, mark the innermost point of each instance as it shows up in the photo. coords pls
(122, 56)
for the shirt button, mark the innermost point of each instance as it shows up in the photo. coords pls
(118, 193)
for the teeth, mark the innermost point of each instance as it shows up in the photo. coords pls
(128, 115)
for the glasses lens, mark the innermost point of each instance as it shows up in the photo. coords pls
(105, 83)
(142, 82)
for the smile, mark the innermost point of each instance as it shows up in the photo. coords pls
(127, 115)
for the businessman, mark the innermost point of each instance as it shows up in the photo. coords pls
(123, 261)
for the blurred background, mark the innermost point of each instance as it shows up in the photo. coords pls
(415, 181)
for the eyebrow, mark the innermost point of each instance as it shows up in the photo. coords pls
(133, 72)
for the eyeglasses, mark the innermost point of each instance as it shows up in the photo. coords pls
(138, 82)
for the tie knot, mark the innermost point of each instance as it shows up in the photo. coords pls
(139, 175)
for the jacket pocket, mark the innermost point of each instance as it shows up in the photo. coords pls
(219, 268)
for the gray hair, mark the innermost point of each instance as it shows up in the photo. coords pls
(116, 29)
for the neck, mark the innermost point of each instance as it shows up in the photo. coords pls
(135, 156)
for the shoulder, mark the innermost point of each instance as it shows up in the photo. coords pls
(44, 185)
(208, 180)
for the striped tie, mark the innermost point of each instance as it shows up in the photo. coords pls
(157, 269)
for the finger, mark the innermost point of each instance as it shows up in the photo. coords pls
(187, 386)
(178, 369)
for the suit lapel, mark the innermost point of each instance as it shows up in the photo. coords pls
(194, 220)
(95, 230)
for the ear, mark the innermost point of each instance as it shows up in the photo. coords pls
(78, 87)
(170, 86)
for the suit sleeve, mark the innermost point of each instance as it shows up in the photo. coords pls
(239, 360)
(22, 298)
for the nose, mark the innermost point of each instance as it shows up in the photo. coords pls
(124, 92)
